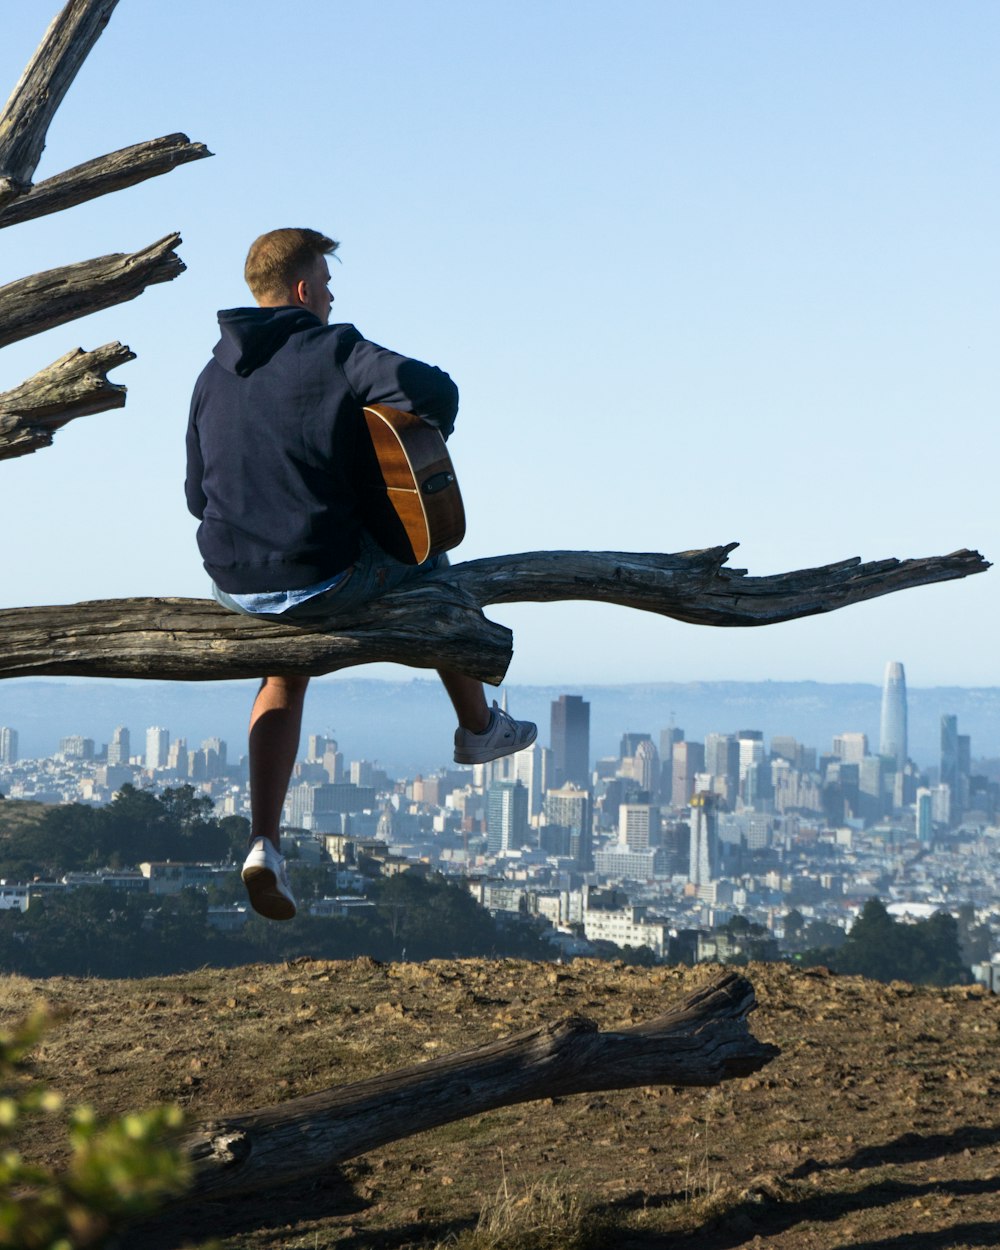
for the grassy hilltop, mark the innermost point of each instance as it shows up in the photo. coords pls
(877, 1128)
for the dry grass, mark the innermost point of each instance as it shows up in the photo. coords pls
(544, 1215)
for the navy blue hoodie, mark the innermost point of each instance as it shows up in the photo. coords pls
(276, 443)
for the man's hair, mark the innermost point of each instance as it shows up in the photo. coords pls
(278, 259)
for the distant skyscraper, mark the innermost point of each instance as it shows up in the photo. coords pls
(704, 865)
(506, 817)
(689, 759)
(851, 748)
(119, 748)
(949, 759)
(570, 740)
(76, 748)
(8, 745)
(639, 825)
(892, 732)
(629, 743)
(569, 808)
(158, 747)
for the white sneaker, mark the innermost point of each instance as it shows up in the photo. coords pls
(266, 879)
(502, 736)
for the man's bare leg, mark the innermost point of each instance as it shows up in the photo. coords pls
(275, 728)
(468, 699)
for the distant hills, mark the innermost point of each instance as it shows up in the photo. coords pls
(407, 725)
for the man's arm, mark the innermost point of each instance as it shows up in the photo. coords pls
(196, 500)
(378, 376)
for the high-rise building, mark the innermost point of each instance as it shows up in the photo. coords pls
(531, 767)
(892, 730)
(120, 747)
(158, 747)
(851, 748)
(506, 817)
(955, 765)
(639, 825)
(569, 808)
(722, 761)
(629, 743)
(751, 748)
(704, 862)
(643, 767)
(76, 748)
(8, 745)
(688, 760)
(570, 740)
(177, 757)
(668, 737)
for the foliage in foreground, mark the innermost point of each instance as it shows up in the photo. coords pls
(118, 1169)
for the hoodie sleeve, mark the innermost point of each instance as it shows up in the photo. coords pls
(378, 376)
(196, 500)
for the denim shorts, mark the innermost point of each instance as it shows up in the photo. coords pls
(374, 573)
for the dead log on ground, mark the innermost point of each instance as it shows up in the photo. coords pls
(113, 172)
(701, 1042)
(438, 623)
(31, 305)
(76, 385)
(25, 120)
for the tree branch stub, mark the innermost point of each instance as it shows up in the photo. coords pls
(113, 172)
(75, 385)
(31, 305)
(28, 113)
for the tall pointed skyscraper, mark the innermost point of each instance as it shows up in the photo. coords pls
(892, 737)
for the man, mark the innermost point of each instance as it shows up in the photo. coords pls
(275, 432)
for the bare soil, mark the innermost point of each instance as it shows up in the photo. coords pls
(877, 1128)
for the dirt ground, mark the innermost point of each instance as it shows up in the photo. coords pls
(877, 1128)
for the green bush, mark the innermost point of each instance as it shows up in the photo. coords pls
(118, 1169)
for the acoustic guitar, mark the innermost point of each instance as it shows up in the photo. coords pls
(410, 502)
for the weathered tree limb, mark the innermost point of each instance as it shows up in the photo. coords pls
(703, 1041)
(25, 120)
(196, 640)
(104, 174)
(75, 385)
(31, 305)
(438, 623)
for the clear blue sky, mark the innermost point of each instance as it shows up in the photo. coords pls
(703, 272)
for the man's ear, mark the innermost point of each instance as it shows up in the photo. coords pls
(301, 291)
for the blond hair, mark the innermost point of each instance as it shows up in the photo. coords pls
(280, 258)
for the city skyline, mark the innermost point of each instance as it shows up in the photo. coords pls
(813, 712)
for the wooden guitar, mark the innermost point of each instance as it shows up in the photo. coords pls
(411, 503)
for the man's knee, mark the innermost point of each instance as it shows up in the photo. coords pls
(287, 689)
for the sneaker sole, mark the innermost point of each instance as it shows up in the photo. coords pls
(265, 897)
(484, 755)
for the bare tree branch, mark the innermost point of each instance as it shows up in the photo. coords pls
(75, 385)
(25, 120)
(105, 174)
(438, 622)
(703, 1041)
(31, 305)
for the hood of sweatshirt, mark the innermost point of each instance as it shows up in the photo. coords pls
(251, 336)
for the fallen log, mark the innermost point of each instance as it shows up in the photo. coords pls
(124, 168)
(55, 296)
(702, 1041)
(75, 385)
(25, 120)
(438, 623)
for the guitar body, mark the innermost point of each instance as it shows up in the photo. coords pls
(411, 505)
